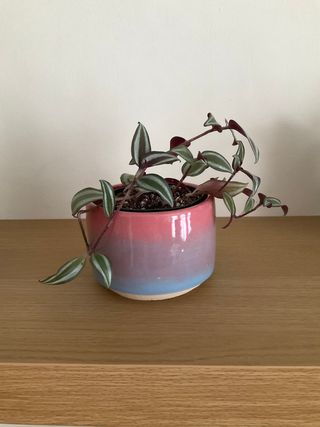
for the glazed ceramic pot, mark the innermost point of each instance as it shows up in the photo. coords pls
(157, 255)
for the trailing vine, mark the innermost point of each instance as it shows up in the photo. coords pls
(143, 183)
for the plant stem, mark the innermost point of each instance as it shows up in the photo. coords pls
(140, 172)
(188, 142)
(229, 179)
(83, 230)
(130, 188)
(249, 175)
(206, 133)
(249, 212)
(183, 176)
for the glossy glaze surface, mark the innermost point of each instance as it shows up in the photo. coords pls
(157, 253)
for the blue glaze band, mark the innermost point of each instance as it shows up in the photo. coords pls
(164, 286)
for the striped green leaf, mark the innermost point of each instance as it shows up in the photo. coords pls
(229, 202)
(271, 202)
(183, 152)
(235, 126)
(240, 151)
(211, 121)
(195, 168)
(155, 183)
(175, 141)
(108, 197)
(254, 149)
(103, 266)
(84, 197)
(236, 162)
(67, 272)
(235, 187)
(126, 178)
(216, 187)
(255, 184)
(217, 161)
(140, 145)
(249, 205)
(231, 130)
(155, 158)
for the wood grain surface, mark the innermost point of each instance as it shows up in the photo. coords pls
(261, 306)
(166, 396)
(242, 350)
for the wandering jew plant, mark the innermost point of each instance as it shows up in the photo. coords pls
(145, 191)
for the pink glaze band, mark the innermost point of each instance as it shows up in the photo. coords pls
(157, 253)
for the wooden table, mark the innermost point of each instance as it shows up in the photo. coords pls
(241, 350)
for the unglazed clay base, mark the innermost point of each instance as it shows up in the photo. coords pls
(155, 297)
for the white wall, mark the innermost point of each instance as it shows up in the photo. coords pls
(77, 75)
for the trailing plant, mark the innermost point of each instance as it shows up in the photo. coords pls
(145, 189)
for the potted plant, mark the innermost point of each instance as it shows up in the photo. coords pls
(152, 237)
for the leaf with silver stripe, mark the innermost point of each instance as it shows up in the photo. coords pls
(155, 183)
(84, 197)
(236, 162)
(126, 178)
(103, 266)
(254, 149)
(271, 202)
(249, 205)
(216, 187)
(194, 168)
(140, 145)
(235, 126)
(211, 121)
(256, 181)
(234, 187)
(240, 151)
(155, 158)
(183, 152)
(108, 197)
(67, 272)
(217, 161)
(229, 202)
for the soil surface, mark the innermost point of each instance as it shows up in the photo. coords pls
(182, 196)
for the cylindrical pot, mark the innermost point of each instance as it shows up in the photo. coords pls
(157, 255)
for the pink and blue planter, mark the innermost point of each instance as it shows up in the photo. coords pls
(157, 255)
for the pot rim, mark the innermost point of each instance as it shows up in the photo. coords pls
(208, 199)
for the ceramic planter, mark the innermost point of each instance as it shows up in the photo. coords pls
(157, 255)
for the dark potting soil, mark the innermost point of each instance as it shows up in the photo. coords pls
(182, 196)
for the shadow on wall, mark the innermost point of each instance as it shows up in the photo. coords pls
(294, 153)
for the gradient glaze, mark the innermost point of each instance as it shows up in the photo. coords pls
(156, 255)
